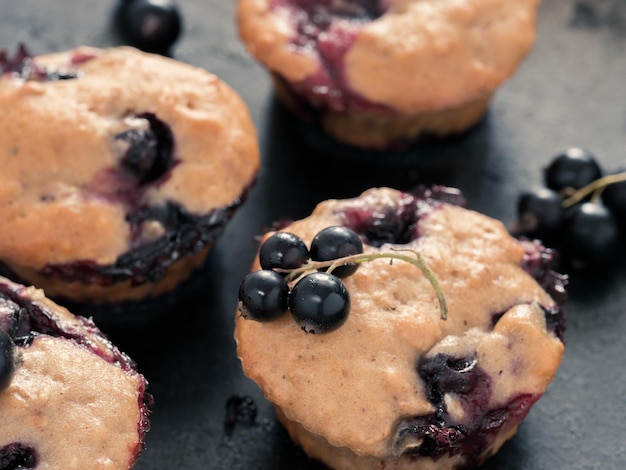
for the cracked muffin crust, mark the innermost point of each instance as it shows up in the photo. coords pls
(395, 386)
(120, 170)
(382, 73)
(68, 398)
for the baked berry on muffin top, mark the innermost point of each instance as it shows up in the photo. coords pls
(69, 399)
(120, 169)
(395, 384)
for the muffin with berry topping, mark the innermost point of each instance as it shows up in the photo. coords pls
(120, 170)
(427, 353)
(380, 74)
(68, 397)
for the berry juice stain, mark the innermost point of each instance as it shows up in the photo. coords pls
(399, 224)
(329, 28)
(22, 66)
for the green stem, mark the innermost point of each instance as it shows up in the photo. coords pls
(593, 187)
(417, 261)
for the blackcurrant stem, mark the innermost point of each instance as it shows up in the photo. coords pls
(593, 187)
(417, 261)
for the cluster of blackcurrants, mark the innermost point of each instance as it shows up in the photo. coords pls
(319, 301)
(150, 25)
(580, 209)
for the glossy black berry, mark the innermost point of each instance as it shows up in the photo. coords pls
(7, 359)
(150, 25)
(336, 242)
(614, 197)
(319, 302)
(573, 168)
(283, 250)
(263, 295)
(540, 212)
(592, 234)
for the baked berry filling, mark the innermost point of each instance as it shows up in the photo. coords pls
(439, 434)
(399, 224)
(537, 262)
(145, 157)
(329, 28)
(150, 144)
(24, 320)
(147, 261)
(17, 456)
(23, 66)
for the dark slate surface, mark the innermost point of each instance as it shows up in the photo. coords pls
(570, 92)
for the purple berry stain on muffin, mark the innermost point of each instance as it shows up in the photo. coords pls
(537, 262)
(148, 259)
(23, 66)
(439, 434)
(329, 28)
(399, 224)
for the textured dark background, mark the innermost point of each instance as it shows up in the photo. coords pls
(570, 92)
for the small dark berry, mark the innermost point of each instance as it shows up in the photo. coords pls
(7, 359)
(574, 168)
(264, 295)
(540, 212)
(283, 250)
(319, 302)
(614, 197)
(150, 25)
(336, 242)
(240, 409)
(592, 234)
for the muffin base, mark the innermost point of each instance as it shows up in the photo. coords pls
(380, 130)
(342, 458)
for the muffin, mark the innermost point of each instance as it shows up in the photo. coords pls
(381, 74)
(120, 170)
(397, 386)
(68, 398)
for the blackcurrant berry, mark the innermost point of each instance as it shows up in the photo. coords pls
(150, 25)
(614, 197)
(319, 302)
(592, 234)
(336, 242)
(283, 250)
(7, 359)
(540, 212)
(573, 168)
(263, 295)
(240, 409)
